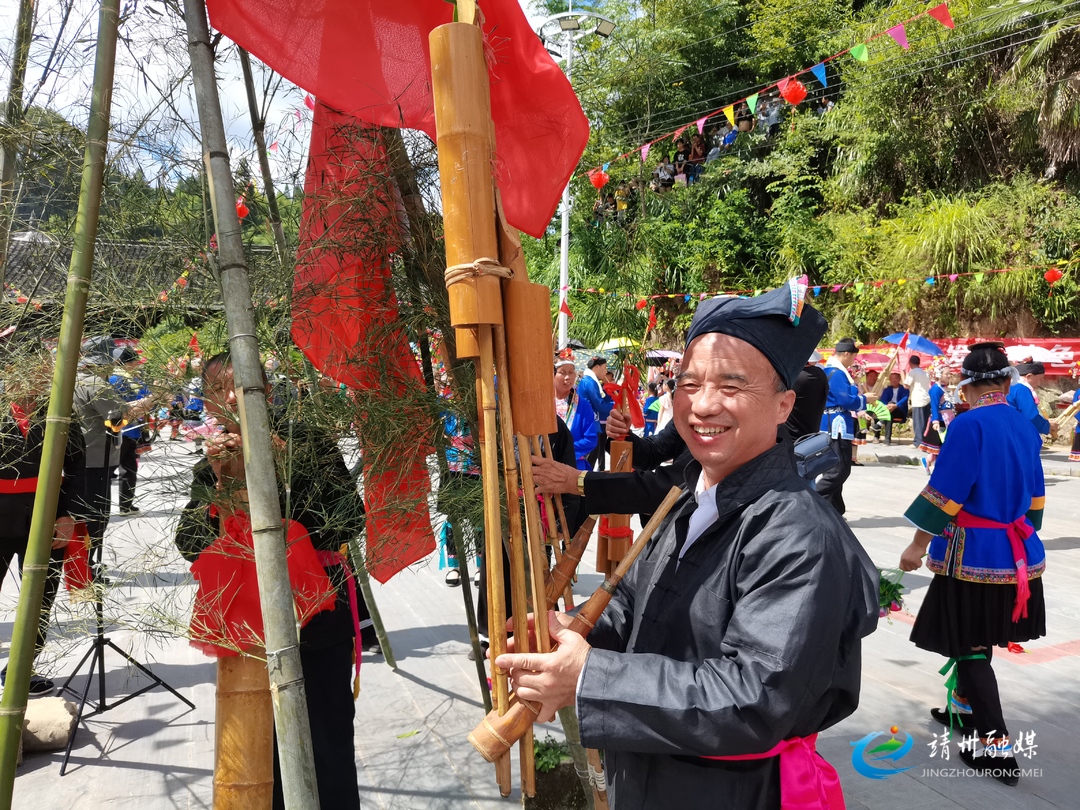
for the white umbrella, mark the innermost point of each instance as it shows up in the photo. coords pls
(1037, 354)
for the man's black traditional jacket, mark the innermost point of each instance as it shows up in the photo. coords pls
(752, 638)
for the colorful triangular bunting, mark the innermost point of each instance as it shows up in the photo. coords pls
(645, 152)
(898, 33)
(701, 125)
(751, 102)
(859, 52)
(819, 73)
(729, 113)
(942, 15)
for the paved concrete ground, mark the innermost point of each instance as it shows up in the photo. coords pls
(152, 753)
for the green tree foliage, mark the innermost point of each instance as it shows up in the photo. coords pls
(957, 156)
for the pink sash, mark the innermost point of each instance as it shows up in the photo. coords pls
(1018, 531)
(807, 781)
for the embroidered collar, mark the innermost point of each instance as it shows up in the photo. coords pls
(752, 480)
(991, 398)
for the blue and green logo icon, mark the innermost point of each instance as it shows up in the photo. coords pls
(873, 761)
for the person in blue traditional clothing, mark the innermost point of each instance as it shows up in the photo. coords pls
(577, 412)
(651, 409)
(941, 407)
(1075, 454)
(131, 389)
(839, 420)
(1022, 396)
(895, 398)
(979, 516)
(591, 389)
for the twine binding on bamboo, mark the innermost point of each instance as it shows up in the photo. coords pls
(483, 266)
(596, 777)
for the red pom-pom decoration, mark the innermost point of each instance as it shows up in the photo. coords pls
(241, 209)
(599, 179)
(1053, 276)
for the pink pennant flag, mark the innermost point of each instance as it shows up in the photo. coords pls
(645, 152)
(898, 33)
(701, 125)
(942, 15)
(837, 287)
(309, 101)
(299, 116)
(273, 147)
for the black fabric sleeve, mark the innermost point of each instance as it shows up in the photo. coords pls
(197, 529)
(74, 484)
(652, 452)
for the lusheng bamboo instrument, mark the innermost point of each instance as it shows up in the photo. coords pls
(244, 736)
(564, 569)
(1067, 414)
(496, 734)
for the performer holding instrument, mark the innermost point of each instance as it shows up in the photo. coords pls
(735, 638)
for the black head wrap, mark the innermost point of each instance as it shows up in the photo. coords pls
(776, 323)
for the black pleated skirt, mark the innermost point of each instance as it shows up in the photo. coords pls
(958, 615)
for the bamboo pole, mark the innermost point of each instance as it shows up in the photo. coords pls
(572, 731)
(258, 130)
(518, 588)
(364, 581)
(58, 420)
(12, 118)
(243, 736)
(296, 756)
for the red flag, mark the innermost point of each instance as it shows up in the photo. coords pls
(564, 308)
(193, 345)
(903, 341)
(371, 59)
(652, 318)
(626, 393)
(345, 320)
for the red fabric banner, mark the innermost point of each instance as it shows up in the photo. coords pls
(345, 320)
(371, 59)
(227, 615)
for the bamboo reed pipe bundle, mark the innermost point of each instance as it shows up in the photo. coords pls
(1067, 414)
(243, 736)
(497, 733)
(622, 454)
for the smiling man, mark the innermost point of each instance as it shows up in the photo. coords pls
(737, 633)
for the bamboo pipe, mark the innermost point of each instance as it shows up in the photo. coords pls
(496, 733)
(297, 758)
(883, 377)
(243, 735)
(58, 419)
(462, 100)
(518, 589)
(564, 570)
(564, 526)
(597, 780)
(553, 536)
(1067, 414)
(538, 564)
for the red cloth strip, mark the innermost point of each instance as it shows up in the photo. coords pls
(17, 486)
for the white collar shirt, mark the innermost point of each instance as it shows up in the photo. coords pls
(704, 516)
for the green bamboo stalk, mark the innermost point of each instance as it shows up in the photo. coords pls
(58, 420)
(258, 129)
(12, 118)
(568, 718)
(282, 644)
(364, 581)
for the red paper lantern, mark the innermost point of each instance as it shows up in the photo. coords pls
(598, 178)
(241, 209)
(792, 91)
(641, 304)
(1053, 276)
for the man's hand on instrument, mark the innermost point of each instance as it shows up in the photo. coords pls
(63, 531)
(891, 406)
(549, 679)
(870, 397)
(554, 478)
(618, 424)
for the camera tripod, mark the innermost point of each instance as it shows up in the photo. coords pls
(95, 655)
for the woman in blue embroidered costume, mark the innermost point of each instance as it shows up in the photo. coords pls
(979, 516)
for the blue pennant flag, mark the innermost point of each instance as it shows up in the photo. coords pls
(817, 291)
(606, 165)
(819, 73)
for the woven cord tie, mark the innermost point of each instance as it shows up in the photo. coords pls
(457, 273)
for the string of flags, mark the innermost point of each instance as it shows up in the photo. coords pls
(1052, 276)
(790, 88)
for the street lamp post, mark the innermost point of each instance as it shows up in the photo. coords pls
(573, 25)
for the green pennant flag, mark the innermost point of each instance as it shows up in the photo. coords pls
(757, 293)
(859, 52)
(751, 102)
(979, 277)
(859, 286)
